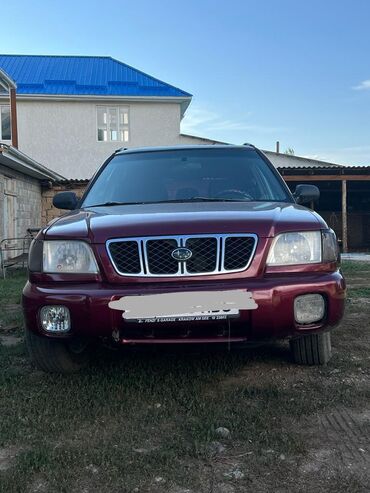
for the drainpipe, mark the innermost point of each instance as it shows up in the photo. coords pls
(13, 116)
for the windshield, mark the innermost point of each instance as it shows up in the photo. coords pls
(186, 175)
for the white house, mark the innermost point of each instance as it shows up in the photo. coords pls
(74, 111)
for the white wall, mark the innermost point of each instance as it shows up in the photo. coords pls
(62, 135)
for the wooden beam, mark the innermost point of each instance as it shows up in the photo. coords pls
(304, 178)
(344, 217)
(13, 117)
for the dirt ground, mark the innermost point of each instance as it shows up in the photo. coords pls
(190, 421)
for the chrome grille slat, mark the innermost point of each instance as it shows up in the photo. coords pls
(212, 254)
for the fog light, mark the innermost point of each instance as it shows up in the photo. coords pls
(309, 308)
(55, 318)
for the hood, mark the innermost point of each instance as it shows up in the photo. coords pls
(265, 219)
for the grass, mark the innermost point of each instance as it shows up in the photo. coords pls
(10, 298)
(350, 267)
(166, 405)
(137, 415)
(11, 288)
(359, 292)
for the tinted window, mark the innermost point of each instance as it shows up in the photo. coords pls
(238, 174)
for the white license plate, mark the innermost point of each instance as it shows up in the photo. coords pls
(184, 306)
(189, 317)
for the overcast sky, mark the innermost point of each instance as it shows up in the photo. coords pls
(259, 70)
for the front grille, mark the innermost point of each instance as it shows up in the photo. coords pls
(159, 258)
(210, 254)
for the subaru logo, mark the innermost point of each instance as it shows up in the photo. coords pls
(181, 254)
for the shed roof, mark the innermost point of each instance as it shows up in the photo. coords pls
(281, 161)
(14, 159)
(83, 76)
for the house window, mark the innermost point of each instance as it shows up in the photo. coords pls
(5, 122)
(112, 123)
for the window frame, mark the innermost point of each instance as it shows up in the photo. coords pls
(125, 127)
(2, 139)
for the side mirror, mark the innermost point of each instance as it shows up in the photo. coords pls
(306, 193)
(65, 200)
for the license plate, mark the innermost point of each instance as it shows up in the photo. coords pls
(189, 317)
(184, 306)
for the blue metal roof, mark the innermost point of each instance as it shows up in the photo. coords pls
(82, 75)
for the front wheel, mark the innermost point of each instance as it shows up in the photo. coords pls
(56, 356)
(311, 349)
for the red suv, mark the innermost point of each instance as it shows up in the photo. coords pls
(193, 244)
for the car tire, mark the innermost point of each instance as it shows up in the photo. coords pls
(311, 349)
(55, 356)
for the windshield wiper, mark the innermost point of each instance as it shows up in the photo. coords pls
(107, 204)
(197, 199)
(217, 199)
(171, 201)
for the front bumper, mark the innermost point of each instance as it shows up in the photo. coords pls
(274, 318)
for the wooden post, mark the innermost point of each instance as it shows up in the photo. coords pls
(344, 216)
(13, 117)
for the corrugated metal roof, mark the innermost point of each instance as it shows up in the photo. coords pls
(82, 75)
(343, 169)
(280, 160)
(74, 181)
(321, 168)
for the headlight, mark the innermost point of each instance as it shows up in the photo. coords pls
(296, 248)
(75, 257)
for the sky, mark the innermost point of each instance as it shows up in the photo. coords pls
(295, 71)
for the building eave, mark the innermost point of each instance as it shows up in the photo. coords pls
(183, 101)
(18, 161)
(6, 81)
(95, 97)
